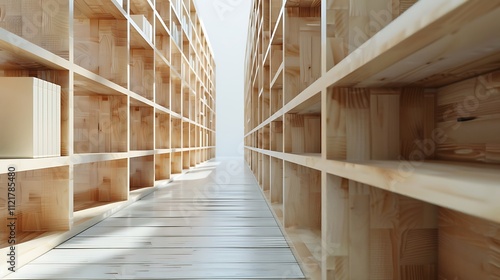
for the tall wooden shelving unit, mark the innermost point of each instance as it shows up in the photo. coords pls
(373, 129)
(137, 108)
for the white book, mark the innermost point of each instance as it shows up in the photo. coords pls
(58, 120)
(40, 118)
(45, 115)
(36, 136)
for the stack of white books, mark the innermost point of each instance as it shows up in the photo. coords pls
(30, 118)
(144, 25)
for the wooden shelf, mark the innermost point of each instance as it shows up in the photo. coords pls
(387, 123)
(124, 98)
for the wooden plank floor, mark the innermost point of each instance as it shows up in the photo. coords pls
(211, 223)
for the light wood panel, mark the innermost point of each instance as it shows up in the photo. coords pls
(467, 117)
(42, 201)
(100, 124)
(99, 182)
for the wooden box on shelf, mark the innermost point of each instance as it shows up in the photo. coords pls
(30, 115)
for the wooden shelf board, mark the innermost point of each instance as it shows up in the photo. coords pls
(33, 164)
(431, 51)
(307, 247)
(137, 100)
(18, 53)
(277, 81)
(136, 154)
(423, 50)
(465, 187)
(469, 188)
(311, 106)
(141, 7)
(86, 81)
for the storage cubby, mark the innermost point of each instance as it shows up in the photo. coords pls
(162, 167)
(99, 183)
(176, 93)
(142, 172)
(302, 212)
(349, 25)
(276, 66)
(186, 96)
(388, 236)
(100, 40)
(100, 118)
(193, 158)
(42, 204)
(141, 126)
(176, 163)
(265, 171)
(142, 74)
(48, 29)
(176, 133)
(276, 181)
(142, 15)
(192, 136)
(163, 9)
(162, 132)
(185, 134)
(186, 160)
(276, 132)
(302, 134)
(407, 150)
(302, 51)
(162, 38)
(162, 83)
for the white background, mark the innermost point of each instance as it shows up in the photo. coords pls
(226, 25)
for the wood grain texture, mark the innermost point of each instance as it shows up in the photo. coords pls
(468, 247)
(276, 180)
(473, 140)
(302, 197)
(99, 182)
(336, 132)
(302, 133)
(141, 172)
(357, 114)
(141, 128)
(176, 133)
(142, 72)
(162, 167)
(277, 136)
(416, 129)
(42, 200)
(162, 131)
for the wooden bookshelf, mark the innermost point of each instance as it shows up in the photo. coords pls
(137, 106)
(373, 130)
